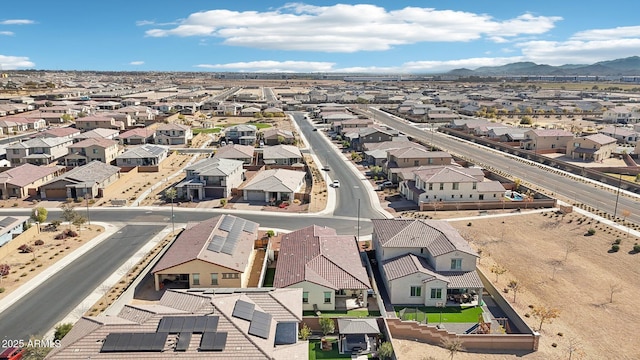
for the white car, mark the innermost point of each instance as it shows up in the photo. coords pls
(336, 183)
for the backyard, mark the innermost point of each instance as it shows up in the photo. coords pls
(316, 352)
(451, 314)
(358, 313)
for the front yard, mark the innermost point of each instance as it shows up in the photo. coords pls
(450, 314)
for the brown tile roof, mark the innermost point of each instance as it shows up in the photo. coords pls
(318, 255)
(448, 174)
(100, 142)
(193, 242)
(234, 151)
(141, 132)
(388, 145)
(26, 174)
(438, 236)
(463, 279)
(61, 131)
(417, 153)
(409, 264)
(601, 139)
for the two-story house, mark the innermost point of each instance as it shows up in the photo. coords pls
(373, 134)
(86, 151)
(95, 122)
(450, 183)
(211, 178)
(546, 139)
(173, 134)
(24, 180)
(137, 136)
(425, 262)
(412, 157)
(281, 155)
(596, 147)
(38, 151)
(623, 135)
(274, 136)
(243, 153)
(243, 134)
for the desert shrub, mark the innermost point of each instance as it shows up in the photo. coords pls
(636, 248)
(1, 290)
(70, 233)
(618, 241)
(39, 242)
(60, 236)
(591, 232)
(25, 248)
(469, 224)
(615, 248)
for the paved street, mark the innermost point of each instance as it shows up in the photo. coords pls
(47, 304)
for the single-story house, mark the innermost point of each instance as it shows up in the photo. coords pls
(281, 155)
(145, 155)
(87, 180)
(24, 180)
(243, 153)
(10, 227)
(274, 185)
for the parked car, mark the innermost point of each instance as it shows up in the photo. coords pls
(12, 353)
(336, 183)
(315, 129)
(385, 185)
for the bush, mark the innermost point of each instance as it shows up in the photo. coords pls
(469, 224)
(615, 248)
(25, 248)
(591, 232)
(62, 330)
(39, 242)
(223, 202)
(636, 248)
(1, 290)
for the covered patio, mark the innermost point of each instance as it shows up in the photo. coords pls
(358, 335)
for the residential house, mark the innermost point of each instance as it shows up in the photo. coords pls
(100, 133)
(372, 134)
(282, 155)
(211, 178)
(597, 147)
(213, 253)
(10, 227)
(546, 139)
(138, 136)
(507, 134)
(618, 115)
(340, 126)
(425, 262)
(328, 267)
(250, 111)
(60, 132)
(624, 135)
(173, 134)
(11, 127)
(38, 151)
(84, 181)
(98, 122)
(441, 114)
(274, 185)
(242, 134)
(24, 180)
(450, 183)
(412, 157)
(32, 123)
(230, 323)
(243, 153)
(92, 149)
(144, 155)
(274, 136)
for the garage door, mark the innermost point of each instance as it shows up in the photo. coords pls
(255, 195)
(56, 193)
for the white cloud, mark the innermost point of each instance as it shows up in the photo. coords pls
(271, 66)
(136, 63)
(350, 28)
(15, 62)
(16, 22)
(608, 34)
(7, 33)
(144, 22)
(578, 52)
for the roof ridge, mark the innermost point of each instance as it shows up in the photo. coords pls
(336, 264)
(246, 335)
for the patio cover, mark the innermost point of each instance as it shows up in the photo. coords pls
(358, 326)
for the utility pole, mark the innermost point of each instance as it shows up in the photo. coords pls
(615, 209)
(86, 196)
(358, 220)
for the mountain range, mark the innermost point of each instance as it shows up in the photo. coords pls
(620, 67)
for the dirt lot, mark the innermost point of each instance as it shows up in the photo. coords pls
(533, 248)
(26, 266)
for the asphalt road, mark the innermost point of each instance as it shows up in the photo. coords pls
(50, 302)
(566, 186)
(351, 188)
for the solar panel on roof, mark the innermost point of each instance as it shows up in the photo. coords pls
(227, 223)
(189, 323)
(206, 342)
(216, 243)
(109, 344)
(229, 245)
(243, 310)
(147, 342)
(260, 324)
(158, 342)
(183, 341)
(176, 324)
(7, 221)
(200, 325)
(286, 333)
(165, 324)
(123, 342)
(250, 227)
(220, 341)
(212, 324)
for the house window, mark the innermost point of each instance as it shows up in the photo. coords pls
(416, 291)
(456, 264)
(436, 293)
(475, 186)
(416, 162)
(305, 297)
(327, 297)
(195, 279)
(460, 196)
(430, 186)
(441, 186)
(481, 197)
(456, 186)
(214, 278)
(95, 151)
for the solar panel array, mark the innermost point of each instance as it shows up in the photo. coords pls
(7, 221)
(213, 341)
(134, 342)
(188, 324)
(183, 341)
(234, 227)
(286, 333)
(260, 324)
(243, 310)
(216, 243)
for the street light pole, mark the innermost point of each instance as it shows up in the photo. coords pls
(86, 195)
(358, 230)
(615, 209)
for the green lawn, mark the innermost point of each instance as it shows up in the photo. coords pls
(452, 314)
(258, 125)
(214, 130)
(315, 351)
(349, 313)
(268, 277)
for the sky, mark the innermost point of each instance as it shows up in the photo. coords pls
(378, 37)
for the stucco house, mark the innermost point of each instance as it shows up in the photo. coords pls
(242, 134)
(24, 180)
(86, 151)
(426, 262)
(144, 155)
(137, 136)
(84, 181)
(211, 178)
(273, 185)
(99, 133)
(38, 151)
(281, 155)
(596, 147)
(413, 157)
(173, 134)
(274, 136)
(546, 139)
(327, 266)
(213, 253)
(10, 227)
(95, 122)
(242, 153)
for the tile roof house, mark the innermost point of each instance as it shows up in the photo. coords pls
(173, 134)
(213, 253)
(622, 134)
(281, 155)
(372, 134)
(38, 151)
(94, 122)
(274, 185)
(99, 133)
(144, 155)
(425, 262)
(450, 184)
(546, 139)
(327, 266)
(84, 181)
(413, 157)
(274, 136)
(242, 134)
(232, 323)
(92, 149)
(24, 180)
(211, 178)
(10, 227)
(243, 153)
(138, 136)
(596, 147)
(60, 132)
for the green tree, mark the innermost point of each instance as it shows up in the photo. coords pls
(386, 350)
(305, 332)
(62, 330)
(270, 233)
(78, 221)
(327, 325)
(39, 214)
(66, 117)
(68, 213)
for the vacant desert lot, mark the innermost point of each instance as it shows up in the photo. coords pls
(531, 247)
